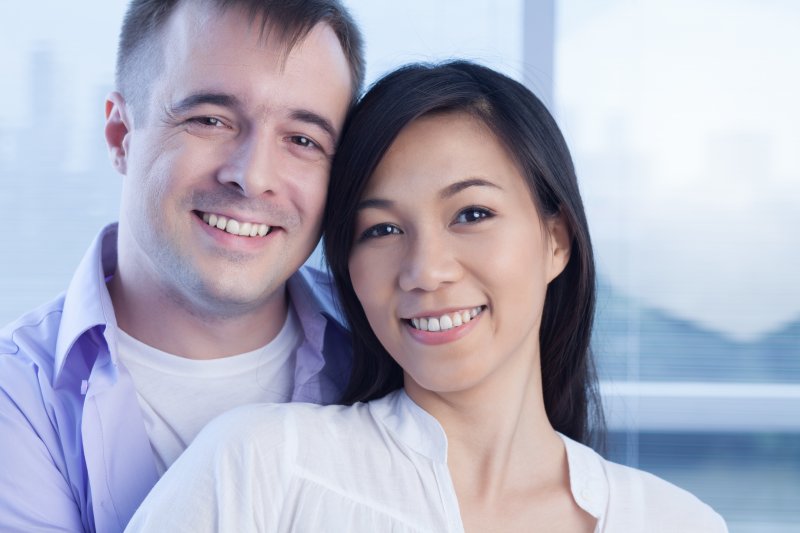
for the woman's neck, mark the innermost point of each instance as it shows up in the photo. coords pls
(499, 437)
(508, 465)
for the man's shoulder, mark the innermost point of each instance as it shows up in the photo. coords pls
(27, 363)
(35, 335)
(32, 337)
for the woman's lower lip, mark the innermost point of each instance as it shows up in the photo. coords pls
(442, 337)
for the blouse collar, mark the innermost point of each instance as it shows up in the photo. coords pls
(419, 430)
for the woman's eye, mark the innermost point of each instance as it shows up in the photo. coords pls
(302, 140)
(471, 215)
(380, 230)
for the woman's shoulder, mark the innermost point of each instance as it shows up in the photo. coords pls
(658, 501)
(276, 424)
(630, 499)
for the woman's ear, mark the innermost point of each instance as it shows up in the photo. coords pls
(559, 245)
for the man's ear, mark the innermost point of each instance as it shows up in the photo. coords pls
(560, 245)
(118, 125)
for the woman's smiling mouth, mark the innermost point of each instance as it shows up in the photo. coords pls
(446, 321)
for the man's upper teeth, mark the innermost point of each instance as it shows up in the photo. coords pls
(446, 321)
(245, 229)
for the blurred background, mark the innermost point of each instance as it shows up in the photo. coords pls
(682, 120)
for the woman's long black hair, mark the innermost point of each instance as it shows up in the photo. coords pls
(529, 133)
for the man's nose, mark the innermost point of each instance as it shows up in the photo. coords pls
(253, 167)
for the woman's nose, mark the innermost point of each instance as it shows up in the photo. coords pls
(429, 264)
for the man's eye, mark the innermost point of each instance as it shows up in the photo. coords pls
(471, 215)
(211, 122)
(380, 230)
(302, 140)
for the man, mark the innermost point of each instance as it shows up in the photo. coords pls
(224, 124)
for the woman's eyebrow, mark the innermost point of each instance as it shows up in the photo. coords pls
(374, 203)
(447, 192)
(457, 187)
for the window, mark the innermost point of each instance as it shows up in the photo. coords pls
(681, 120)
(57, 187)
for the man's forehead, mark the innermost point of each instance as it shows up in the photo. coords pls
(229, 58)
(201, 23)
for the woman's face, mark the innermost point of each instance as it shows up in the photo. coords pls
(451, 261)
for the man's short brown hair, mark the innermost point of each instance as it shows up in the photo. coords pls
(290, 20)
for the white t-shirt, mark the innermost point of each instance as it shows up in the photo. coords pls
(179, 396)
(380, 466)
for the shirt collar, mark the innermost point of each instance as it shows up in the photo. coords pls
(87, 303)
(587, 477)
(419, 430)
(414, 426)
(312, 294)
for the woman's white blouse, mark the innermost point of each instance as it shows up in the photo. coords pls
(376, 467)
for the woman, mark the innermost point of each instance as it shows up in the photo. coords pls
(456, 235)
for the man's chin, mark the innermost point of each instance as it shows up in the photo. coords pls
(220, 301)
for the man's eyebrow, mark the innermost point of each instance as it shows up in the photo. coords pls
(455, 188)
(310, 117)
(197, 99)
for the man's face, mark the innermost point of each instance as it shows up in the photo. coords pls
(227, 160)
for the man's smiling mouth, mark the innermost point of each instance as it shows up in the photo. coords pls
(233, 226)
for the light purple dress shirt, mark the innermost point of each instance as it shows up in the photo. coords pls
(74, 453)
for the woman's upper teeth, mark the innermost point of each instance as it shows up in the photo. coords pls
(244, 229)
(446, 321)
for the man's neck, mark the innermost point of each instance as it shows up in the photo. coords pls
(188, 330)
